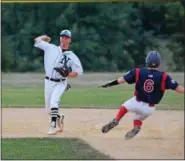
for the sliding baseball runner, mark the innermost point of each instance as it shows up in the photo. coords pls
(150, 86)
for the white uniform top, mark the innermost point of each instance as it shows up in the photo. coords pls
(54, 57)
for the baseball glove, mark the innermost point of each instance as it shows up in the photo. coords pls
(64, 70)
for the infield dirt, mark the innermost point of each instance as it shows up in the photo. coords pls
(162, 135)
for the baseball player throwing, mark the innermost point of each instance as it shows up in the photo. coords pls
(59, 63)
(150, 86)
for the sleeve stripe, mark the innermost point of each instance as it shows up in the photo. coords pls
(163, 83)
(136, 79)
(137, 74)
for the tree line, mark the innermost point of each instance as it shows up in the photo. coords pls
(106, 36)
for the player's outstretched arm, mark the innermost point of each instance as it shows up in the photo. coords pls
(44, 38)
(173, 85)
(180, 89)
(113, 83)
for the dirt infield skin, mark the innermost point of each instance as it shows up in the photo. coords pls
(162, 135)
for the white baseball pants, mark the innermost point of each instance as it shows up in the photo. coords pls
(53, 93)
(141, 109)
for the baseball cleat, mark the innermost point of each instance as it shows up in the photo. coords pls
(52, 129)
(109, 126)
(132, 133)
(60, 123)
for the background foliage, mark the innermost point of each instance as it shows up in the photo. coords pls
(106, 36)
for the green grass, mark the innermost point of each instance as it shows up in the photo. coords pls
(84, 93)
(48, 148)
(80, 97)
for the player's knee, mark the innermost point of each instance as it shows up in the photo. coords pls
(126, 106)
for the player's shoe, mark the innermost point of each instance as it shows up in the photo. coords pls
(110, 125)
(60, 123)
(132, 133)
(52, 129)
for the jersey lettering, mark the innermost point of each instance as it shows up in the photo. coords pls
(64, 60)
(149, 85)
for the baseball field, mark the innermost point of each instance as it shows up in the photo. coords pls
(86, 108)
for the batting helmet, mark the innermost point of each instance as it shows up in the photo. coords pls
(153, 59)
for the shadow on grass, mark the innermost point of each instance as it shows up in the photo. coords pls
(48, 148)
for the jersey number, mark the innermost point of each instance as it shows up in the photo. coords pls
(149, 85)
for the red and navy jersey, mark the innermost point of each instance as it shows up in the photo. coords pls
(150, 84)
